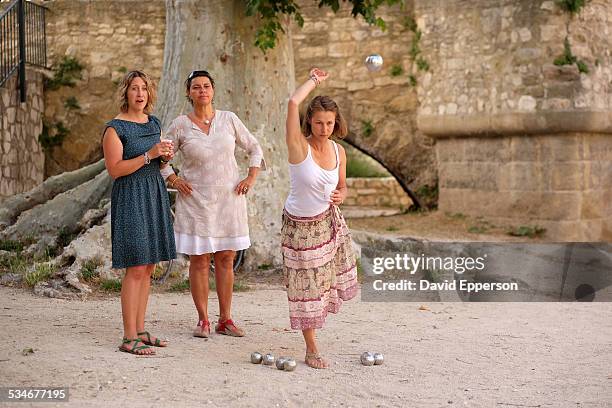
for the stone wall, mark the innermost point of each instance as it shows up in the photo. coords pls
(379, 192)
(386, 102)
(520, 139)
(560, 182)
(21, 159)
(107, 38)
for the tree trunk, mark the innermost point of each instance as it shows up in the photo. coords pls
(13, 206)
(217, 36)
(61, 214)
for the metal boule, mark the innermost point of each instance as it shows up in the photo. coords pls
(289, 364)
(367, 359)
(256, 357)
(280, 362)
(268, 359)
(378, 359)
(374, 62)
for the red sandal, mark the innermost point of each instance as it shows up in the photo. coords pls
(228, 328)
(202, 329)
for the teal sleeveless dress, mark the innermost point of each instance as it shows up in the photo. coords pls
(141, 223)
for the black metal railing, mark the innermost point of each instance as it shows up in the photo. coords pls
(22, 40)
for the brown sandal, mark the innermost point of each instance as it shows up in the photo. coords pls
(320, 362)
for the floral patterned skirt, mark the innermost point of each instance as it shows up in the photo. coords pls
(320, 270)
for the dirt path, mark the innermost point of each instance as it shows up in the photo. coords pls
(454, 354)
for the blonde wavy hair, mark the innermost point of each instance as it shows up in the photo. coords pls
(125, 83)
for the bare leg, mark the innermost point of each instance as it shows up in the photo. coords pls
(313, 359)
(130, 301)
(143, 301)
(224, 278)
(199, 265)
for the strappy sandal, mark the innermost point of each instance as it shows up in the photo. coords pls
(135, 349)
(202, 329)
(228, 328)
(148, 342)
(322, 364)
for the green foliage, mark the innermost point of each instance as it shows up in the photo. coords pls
(397, 70)
(10, 245)
(265, 267)
(410, 24)
(477, 229)
(13, 263)
(72, 103)
(360, 272)
(392, 228)
(65, 73)
(53, 134)
(269, 12)
(40, 273)
(110, 285)
(428, 194)
(89, 270)
(568, 58)
(582, 66)
(412, 80)
(123, 70)
(422, 64)
(531, 231)
(357, 167)
(181, 286)
(367, 128)
(572, 6)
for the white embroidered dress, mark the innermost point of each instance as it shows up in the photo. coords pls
(213, 218)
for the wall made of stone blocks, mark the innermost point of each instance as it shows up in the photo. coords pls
(561, 182)
(106, 37)
(376, 192)
(21, 158)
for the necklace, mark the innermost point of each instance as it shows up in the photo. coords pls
(206, 121)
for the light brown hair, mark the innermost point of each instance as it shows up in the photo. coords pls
(125, 83)
(325, 104)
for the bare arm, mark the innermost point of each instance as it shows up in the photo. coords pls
(296, 142)
(113, 155)
(341, 191)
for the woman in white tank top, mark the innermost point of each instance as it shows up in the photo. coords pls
(319, 264)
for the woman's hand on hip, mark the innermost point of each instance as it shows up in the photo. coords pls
(245, 186)
(182, 186)
(337, 197)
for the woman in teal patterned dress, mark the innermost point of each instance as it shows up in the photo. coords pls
(141, 223)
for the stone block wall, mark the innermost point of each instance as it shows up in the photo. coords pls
(560, 182)
(519, 139)
(21, 158)
(376, 192)
(107, 38)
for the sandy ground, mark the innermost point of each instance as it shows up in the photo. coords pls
(452, 354)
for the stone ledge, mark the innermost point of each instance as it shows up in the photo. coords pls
(505, 124)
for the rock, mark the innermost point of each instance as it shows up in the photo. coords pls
(10, 279)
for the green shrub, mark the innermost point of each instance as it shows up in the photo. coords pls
(110, 285)
(89, 270)
(182, 286)
(396, 70)
(65, 73)
(530, 231)
(40, 273)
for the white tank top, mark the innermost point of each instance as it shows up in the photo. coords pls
(310, 186)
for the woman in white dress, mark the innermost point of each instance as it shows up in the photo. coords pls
(211, 214)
